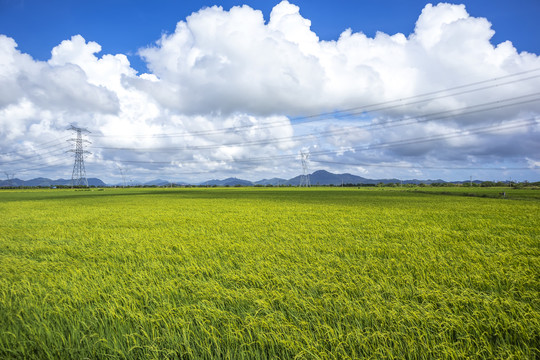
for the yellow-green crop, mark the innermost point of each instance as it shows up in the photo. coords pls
(271, 273)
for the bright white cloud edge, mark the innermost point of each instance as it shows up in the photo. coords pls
(232, 69)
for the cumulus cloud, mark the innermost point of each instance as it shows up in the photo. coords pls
(219, 61)
(224, 91)
(223, 61)
(49, 87)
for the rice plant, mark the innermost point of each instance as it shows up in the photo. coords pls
(268, 273)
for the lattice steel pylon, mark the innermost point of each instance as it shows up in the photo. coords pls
(78, 177)
(123, 173)
(304, 179)
(10, 177)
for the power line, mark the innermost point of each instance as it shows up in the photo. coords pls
(123, 173)
(381, 106)
(508, 126)
(437, 92)
(40, 144)
(363, 164)
(10, 177)
(78, 176)
(48, 165)
(362, 110)
(304, 180)
(369, 108)
(514, 124)
(321, 134)
(57, 151)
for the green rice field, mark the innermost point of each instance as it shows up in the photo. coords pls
(270, 273)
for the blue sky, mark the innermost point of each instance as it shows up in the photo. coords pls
(187, 92)
(124, 26)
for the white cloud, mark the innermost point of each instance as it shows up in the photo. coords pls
(433, 23)
(63, 88)
(232, 70)
(219, 61)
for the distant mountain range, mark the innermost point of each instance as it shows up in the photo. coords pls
(227, 182)
(44, 182)
(320, 177)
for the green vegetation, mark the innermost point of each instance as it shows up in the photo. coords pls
(486, 192)
(266, 273)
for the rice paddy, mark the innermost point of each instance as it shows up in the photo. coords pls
(269, 273)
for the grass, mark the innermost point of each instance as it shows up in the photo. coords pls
(532, 194)
(257, 273)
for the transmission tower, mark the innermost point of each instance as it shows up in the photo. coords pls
(78, 177)
(10, 177)
(123, 173)
(304, 180)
